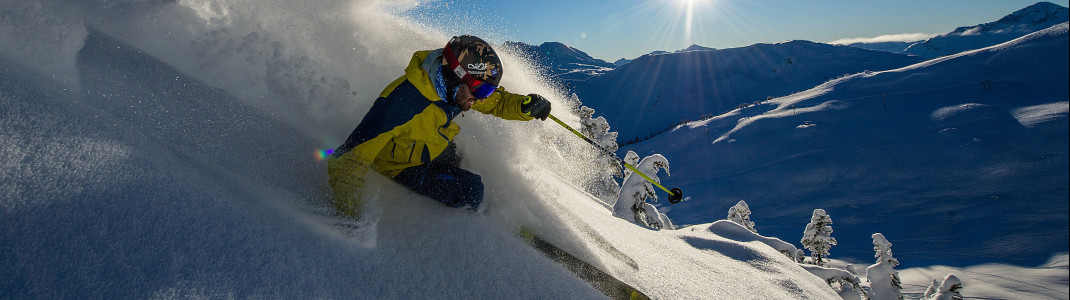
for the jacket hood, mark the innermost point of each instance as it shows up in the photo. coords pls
(419, 70)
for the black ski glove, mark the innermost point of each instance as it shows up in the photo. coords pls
(536, 107)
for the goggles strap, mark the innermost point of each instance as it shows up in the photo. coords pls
(454, 64)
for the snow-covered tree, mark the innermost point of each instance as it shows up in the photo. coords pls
(850, 291)
(884, 279)
(846, 284)
(850, 268)
(655, 219)
(950, 289)
(740, 213)
(631, 202)
(631, 158)
(818, 237)
(931, 291)
(597, 129)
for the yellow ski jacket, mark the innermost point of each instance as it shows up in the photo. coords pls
(410, 124)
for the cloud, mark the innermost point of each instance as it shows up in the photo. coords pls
(902, 37)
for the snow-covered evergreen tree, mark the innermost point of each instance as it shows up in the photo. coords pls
(631, 200)
(740, 213)
(631, 158)
(849, 291)
(655, 219)
(597, 129)
(884, 279)
(845, 283)
(950, 289)
(818, 237)
(850, 268)
(931, 291)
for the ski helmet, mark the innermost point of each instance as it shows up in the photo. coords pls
(470, 60)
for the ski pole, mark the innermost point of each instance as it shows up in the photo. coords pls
(675, 195)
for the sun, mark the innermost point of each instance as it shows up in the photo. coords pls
(688, 8)
(691, 2)
(672, 23)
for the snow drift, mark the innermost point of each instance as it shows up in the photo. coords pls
(163, 149)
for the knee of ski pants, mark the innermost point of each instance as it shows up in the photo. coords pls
(452, 186)
(347, 184)
(470, 195)
(457, 188)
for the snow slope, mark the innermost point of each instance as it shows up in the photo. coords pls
(1035, 17)
(655, 92)
(959, 160)
(164, 149)
(1024, 21)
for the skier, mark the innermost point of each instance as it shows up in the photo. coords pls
(408, 133)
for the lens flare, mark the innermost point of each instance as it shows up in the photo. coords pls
(322, 154)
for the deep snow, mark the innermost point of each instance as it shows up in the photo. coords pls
(126, 193)
(172, 156)
(162, 149)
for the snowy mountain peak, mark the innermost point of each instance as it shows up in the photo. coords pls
(1039, 13)
(1019, 23)
(1042, 14)
(564, 50)
(561, 61)
(694, 47)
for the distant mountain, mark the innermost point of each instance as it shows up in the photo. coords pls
(695, 48)
(1022, 22)
(624, 61)
(894, 47)
(653, 92)
(964, 157)
(568, 65)
(563, 63)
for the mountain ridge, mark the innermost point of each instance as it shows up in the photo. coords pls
(561, 62)
(688, 85)
(851, 146)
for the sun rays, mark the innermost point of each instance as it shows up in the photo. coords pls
(670, 23)
(689, 10)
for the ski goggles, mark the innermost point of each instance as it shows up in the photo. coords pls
(478, 88)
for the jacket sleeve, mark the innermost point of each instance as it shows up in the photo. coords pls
(503, 104)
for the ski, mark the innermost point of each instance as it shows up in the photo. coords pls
(600, 280)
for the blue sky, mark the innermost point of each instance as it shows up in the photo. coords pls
(610, 30)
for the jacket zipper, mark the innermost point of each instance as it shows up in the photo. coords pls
(413, 147)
